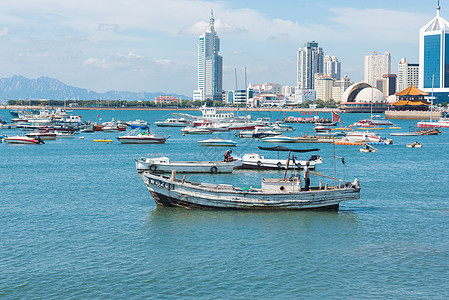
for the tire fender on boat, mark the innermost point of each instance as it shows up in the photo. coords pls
(279, 165)
(213, 169)
(259, 163)
(153, 168)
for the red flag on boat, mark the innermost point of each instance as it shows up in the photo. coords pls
(335, 117)
(98, 115)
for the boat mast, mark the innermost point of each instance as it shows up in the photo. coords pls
(431, 97)
(372, 96)
(246, 97)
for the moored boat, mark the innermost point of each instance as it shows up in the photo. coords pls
(43, 134)
(195, 130)
(138, 136)
(257, 161)
(414, 145)
(280, 139)
(165, 165)
(23, 140)
(274, 194)
(217, 142)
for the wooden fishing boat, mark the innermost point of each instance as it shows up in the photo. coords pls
(274, 194)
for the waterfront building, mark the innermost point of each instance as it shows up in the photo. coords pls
(363, 98)
(376, 66)
(323, 87)
(210, 65)
(340, 87)
(309, 63)
(387, 85)
(239, 97)
(288, 90)
(408, 74)
(303, 95)
(332, 67)
(411, 99)
(434, 58)
(266, 88)
(166, 99)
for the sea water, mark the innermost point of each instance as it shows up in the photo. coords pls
(77, 222)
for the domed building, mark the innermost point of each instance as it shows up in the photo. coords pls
(363, 98)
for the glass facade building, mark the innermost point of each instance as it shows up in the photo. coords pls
(434, 58)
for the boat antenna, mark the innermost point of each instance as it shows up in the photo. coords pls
(335, 167)
(372, 96)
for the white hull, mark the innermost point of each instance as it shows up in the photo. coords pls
(279, 139)
(139, 140)
(184, 166)
(277, 195)
(21, 140)
(255, 161)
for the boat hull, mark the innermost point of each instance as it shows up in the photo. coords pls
(167, 192)
(141, 140)
(185, 167)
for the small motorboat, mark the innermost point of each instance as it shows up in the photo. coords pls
(43, 134)
(138, 124)
(414, 145)
(194, 130)
(173, 122)
(217, 142)
(23, 140)
(137, 136)
(280, 139)
(281, 127)
(368, 148)
(62, 134)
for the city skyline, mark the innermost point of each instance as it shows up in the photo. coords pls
(152, 46)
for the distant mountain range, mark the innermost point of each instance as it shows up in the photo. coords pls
(19, 87)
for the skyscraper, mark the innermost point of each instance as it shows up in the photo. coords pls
(376, 66)
(434, 58)
(210, 65)
(332, 67)
(407, 75)
(310, 62)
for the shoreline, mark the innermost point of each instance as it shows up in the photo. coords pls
(319, 110)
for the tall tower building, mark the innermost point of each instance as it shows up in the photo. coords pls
(210, 65)
(376, 66)
(332, 67)
(408, 74)
(434, 58)
(310, 62)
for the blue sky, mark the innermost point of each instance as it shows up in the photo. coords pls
(151, 45)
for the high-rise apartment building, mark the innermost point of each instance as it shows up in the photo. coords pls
(309, 63)
(210, 65)
(408, 74)
(434, 58)
(332, 67)
(376, 66)
(323, 86)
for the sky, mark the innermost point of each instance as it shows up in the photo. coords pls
(151, 45)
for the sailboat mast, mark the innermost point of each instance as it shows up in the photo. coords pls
(431, 98)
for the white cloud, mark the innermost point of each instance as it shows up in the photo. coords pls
(118, 60)
(4, 31)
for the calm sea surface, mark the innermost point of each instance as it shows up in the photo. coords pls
(77, 222)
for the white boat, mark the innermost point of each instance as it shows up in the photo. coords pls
(257, 161)
(441, 123)
(43, 134)
(404, 133)
(137, 124)
(414, 145)
(164, 165)
(280, 139)
(172, 122)
(138, 136)
(195, 130)
(281, 127)
(217, 142)
(368, 148)
(23, 140)
(113, 126)
(215, 127)
(8, 125)
(62, 134)
(274, 194)
(358, 137)
(258, 132)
